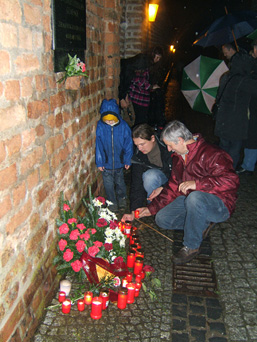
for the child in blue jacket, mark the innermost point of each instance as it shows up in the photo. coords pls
(114, 149)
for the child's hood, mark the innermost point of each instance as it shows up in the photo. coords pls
(109, 110)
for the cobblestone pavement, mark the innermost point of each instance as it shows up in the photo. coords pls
(180, 317)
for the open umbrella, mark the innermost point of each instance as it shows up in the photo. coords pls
(228, 28)
(200, 82)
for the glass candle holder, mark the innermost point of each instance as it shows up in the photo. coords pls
(142, 273)
(131, 293)
(129, 276)
(96, 308)
(132, 238)
(133, 247)
(138, 278)
(138, 265)
(120, 225)
(65, 286)
(137, 243)
(124, 282)
(127, 229)
(81, 305)
(140, 253)
(66, 306)
(105, 295)
(122, 298)
(131, 257)
(136, 213)
(137, 289)
(133, 230)
(88, 296)
(62, 296)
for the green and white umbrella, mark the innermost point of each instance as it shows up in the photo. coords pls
(200, 82)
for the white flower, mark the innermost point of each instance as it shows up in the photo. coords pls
(108, 232)
(97, 203)
(108, 202)
(122, 243)
(109, 240)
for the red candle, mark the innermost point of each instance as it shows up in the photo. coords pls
(96, 308)
(124, 282)
(138, 265)
(129, 276)
(120, 225)
(62, 296)
(138, 278)
(131, 293)
(137, 243)
(81, 305)
(105, 295)
(133, 247)
(131, 257)
(122, 298)
(132, 238)
(133, 230)
(140, 253)
(66, 306)
(127, 228)
(142, 273)
(137, 289)
(136, 213)
(88, 296)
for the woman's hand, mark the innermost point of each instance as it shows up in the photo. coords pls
(128, 217)
(155, 193)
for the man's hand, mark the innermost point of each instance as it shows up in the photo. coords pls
(101, 168)
(185, 186)
(128, 217)
(127, 167)
(155, 193)
(143, 212)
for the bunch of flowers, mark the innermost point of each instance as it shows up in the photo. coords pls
(150, 284)
(97, 234)
(74, 68)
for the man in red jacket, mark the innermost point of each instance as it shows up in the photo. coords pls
(202, 189)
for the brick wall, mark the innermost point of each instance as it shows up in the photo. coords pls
(47, 146)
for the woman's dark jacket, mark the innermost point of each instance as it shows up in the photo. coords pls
(140, 164)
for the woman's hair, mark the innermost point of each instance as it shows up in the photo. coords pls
(174, 130)
(143, 131)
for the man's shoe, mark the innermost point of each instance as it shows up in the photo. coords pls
(186, 254)
(242, 171)
(208, 229)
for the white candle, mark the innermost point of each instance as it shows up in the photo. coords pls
(65, 286)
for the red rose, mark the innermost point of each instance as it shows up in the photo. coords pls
(74, 234)
(76, 265)
(92, 251)
(72, 220)
(63, 229)
(101, 199)
(113, 225)
(85, 236)
(98, 243)
(148, 268)
(108, 246)
(68, 255)
(101, 222)
(62, 244)
(118, 262)
(80, 245)
(81, 226)
(66, 207)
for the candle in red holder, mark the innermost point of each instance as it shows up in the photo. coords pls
(138, 278)
(96, 308)
(136, 213)
(66, 306)
(137, 243)
(142, 273)
(131, 293)
(129, 276)
(122, 298)
(132, 238)
(120, 225)
(124, 282)
(137, 289)
(127, 228)
(105, 295)
(138, 265)
(88, 296)
(140, 252)
(62, 296)
(81, 305)
(133, 230)
(133, 247)
(131, 257)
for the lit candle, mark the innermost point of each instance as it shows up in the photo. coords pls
(120, 225)
(122, 298)
(124, 282)
(127, 228)
(137, 289)
(129, 276)
(62, 296)
(105, 295)
(138, 265)
(81, 305)
(65, 285)
(133, 230)
(96, 308)
(131, 257)
(140, 253)
(137, 243)
(131, 293)
(88, 296)
(132, 238)
(142, 273)
(138, 278)
(66, 306)
(136, 213)
(133, 247)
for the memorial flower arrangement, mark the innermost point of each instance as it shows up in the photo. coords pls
(150, 284)
(96, 233)
(74, 68)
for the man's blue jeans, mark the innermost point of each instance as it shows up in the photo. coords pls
(114, 180)
(250, 159)
(192, 214)
(153, 179)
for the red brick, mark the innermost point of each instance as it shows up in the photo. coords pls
(5, 65)
(8, 35)
(12, 116)
(10, 10)
(19, 218)
(2, 151)
(44, 170)
(12, 90)
(47, 23)
(8, 177)
(26, 86)
(5, 205)
(40, 130)
(19, 193)
(29, 162)
(45, 191)
(32, 14)
(26, 63)
(12, 321)
(32, 180)
(37, 108)
(28, 138)
(25, 38)
(13, 145)
(12, 295)
(40, 83)
(54, 143)
(57, 100)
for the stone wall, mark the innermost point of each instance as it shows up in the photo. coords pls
(47, 146)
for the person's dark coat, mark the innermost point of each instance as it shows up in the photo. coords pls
(140, 164)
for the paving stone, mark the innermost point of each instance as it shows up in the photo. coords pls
(217, 327)
(214, 313)
(198, 335)
(197, 321)
(178, 324)
(180, 338)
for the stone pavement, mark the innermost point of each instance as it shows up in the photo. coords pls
(181, 317)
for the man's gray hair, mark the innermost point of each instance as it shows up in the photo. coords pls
(174, 130)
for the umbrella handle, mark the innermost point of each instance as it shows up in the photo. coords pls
(237, 49)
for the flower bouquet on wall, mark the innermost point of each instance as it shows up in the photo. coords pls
(74, 68)
(93, 246)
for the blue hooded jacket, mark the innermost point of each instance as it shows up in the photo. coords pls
(114, 144)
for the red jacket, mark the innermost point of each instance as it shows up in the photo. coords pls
(209, 166)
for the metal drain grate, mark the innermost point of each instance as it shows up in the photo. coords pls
(196, 277)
